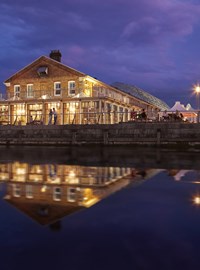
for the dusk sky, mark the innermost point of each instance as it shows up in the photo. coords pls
(152, 44)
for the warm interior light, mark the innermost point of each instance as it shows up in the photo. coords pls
(20, 171)
(90, 80)
(43, 188)
(87, 92)
(44, 96)
(72, 174)
(72, 178)
(4, 177)
(20, 109)
(72, 109)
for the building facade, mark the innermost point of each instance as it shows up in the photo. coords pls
(47, 192)
(77, 98)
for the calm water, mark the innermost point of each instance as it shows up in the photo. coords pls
(99, 208)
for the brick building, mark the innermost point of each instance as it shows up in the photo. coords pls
(77, 98)
(48, 192)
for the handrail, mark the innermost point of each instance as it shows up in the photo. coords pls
(112, 117)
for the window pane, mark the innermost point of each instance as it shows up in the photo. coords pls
(57, 88)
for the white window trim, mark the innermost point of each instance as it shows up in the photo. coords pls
(69, 193)
(29, 191)
(30, 84)
(42, 71)
(69, 89)
(17, 93)
(16, 188)
(55, 193)
(57, 89)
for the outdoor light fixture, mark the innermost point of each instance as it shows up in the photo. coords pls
(44, 96)
(197, 91)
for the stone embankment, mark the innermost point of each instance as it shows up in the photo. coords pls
(150, 133)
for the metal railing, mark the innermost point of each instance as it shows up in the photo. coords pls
(53, 94)
(71, 118)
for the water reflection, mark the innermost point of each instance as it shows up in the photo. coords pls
(114, 208)
(196, 199)
(48, 192)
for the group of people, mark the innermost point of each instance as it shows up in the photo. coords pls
(52, 116)
(177, 116)
(142, 116)
(138, 116)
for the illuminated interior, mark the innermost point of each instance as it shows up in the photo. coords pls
(60, 183)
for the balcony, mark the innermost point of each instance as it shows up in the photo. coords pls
(95, 92)
(36, 94)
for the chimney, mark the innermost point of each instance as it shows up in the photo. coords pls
(55, 55)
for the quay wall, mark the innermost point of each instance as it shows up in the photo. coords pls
(131, 133)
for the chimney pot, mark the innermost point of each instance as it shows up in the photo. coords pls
(55, 55)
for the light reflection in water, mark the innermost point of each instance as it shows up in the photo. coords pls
(48, 192)
(196, 199)
(151, 221)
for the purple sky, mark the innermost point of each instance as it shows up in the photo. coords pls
(153, 44)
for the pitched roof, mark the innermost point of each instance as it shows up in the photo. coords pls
(33, 209)
(46, 59)
(141, 94)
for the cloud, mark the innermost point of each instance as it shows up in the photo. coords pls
(77, 21)
(164, 21)
(74, 56)
(136, 41)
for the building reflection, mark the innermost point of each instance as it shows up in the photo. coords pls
(48, 192)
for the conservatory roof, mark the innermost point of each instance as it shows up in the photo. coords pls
(141, 94)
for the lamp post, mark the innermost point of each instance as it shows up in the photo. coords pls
(197, 91)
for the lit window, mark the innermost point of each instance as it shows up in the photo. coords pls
(16, 190)
(29, 191)
(71, 194)
(57, 194)
(16, 90)
(29, 90)
(71, 88)
(42, 71)
(57, 88)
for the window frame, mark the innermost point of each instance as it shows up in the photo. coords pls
(57, 89)
(42, 71)
(17, 91)
(71, 88)
(71, 194)
(27, 89)
(57, 195)
(29, 191)
(16, 190)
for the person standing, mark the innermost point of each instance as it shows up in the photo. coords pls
(143, 115)
(133, 115)
(50, 117)
(54, 116)
(31, 119)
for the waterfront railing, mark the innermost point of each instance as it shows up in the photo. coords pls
(71, 118)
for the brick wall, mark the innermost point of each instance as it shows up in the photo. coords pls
(118, 134)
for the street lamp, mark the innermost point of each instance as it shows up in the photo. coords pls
(197, 91)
